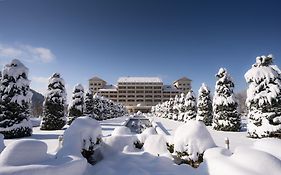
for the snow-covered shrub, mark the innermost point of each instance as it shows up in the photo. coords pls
(75, 109)
(147, 132)
(264, 98)
(15, 101)
(82, 138)
(156, 145)
(2, 146)
(54, 104)
(89, 104)
(226, 117)
(118, 143)
(121, 130)
(190, 106)
(190, 142)
(24, 152)
(30, 157)
(204, 106)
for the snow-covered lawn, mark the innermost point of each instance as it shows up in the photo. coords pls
(120, 157)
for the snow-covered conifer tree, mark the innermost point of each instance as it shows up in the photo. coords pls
(89, 104)
(264, 98)
(190, 106)
(15, 101)
(98, 107)
(75, 109)
(226, 117)
(54, 104)
(204, 106)
(176, 107)
(181, 107)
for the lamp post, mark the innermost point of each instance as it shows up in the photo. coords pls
(226, 141)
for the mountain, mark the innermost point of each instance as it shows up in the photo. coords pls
(37, 103)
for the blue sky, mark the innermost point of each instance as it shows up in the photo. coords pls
(111, 38)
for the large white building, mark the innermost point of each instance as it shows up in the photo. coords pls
(139, 93)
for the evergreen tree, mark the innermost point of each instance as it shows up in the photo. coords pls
(54, 104)
(89, 104)
(176, 107)
(76, 107)
(204, 106)
(264, 98)
(226, 117)
(190, 106)
(15, 101)
(98, 107)
(181, 107)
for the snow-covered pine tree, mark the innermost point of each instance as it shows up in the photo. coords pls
(181, 107)
(176, 107)
(226, 117)
(15, 101)
(264, 98)
(204, 105)
(75, 109)
(190, 106)
(54, 117)
(89, 104)
(170, 108)
(98, 107)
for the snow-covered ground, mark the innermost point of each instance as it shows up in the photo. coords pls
(120, 157)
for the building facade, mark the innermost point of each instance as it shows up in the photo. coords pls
(139, 93)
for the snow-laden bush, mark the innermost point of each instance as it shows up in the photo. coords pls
(264, 98)
(24, 152)
(121, 130)
(54, 104)
(204, 105)
(15, 101)
(226, 117)
(30, 157)
(2, 146)
(191, 140)
(147, 132)
(156, 145)
(76, 107)
(82, 138)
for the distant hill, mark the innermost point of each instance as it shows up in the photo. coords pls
(37, 103)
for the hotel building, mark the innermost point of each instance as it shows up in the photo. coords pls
(139, 93)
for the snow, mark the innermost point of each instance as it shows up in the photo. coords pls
(147, 132)
(86, 132)
(245, 157)
(193, 138)
(156, 145)
(16, 154)
(269, 145)
(244, 161)
(121, 130)
(139, 80)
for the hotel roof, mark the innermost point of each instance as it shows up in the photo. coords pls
(139, 80)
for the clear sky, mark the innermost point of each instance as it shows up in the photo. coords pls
(113, 38)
